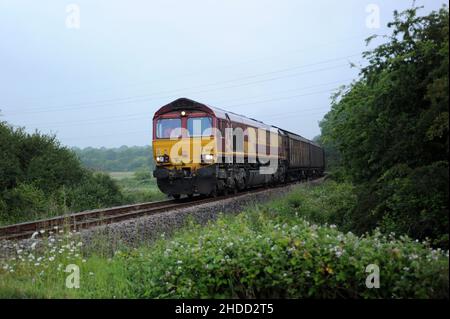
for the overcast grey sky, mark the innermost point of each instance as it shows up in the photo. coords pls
(98, 85)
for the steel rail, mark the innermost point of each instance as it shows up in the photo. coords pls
(92, 218)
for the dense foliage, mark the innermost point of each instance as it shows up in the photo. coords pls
(331, 203)
(390, 130)
(39, 177)
(254, 256)
(268, 251)
(122, 159)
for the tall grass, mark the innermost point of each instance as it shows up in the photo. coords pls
(138, 187)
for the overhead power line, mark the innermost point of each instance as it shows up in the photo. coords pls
(246, 62)
(147, 97)
(139, 115)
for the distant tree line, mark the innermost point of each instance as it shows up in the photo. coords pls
(387, 132)
(122, 159)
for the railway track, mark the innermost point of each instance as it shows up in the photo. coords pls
(87, 219)
(92, 218)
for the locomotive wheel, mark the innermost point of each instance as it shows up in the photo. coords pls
(176, 196)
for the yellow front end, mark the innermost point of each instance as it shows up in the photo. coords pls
(185, 153)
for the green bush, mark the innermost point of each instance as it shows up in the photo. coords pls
(24, 202)
(96, 190)
(256, 256)
(41, 178)
(10, 170)
(330, 202)
(2, 206)
(419, 209)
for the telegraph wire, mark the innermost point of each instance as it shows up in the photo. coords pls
(147, 97)
(139, 115)
(338, 41)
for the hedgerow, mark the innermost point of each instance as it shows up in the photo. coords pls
(331, 203)
(255, 255)
(41, 178)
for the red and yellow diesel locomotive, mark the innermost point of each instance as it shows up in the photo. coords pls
(200, 149)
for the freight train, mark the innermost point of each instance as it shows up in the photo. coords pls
(200, 149)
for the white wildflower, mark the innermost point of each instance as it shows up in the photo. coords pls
(413, 256)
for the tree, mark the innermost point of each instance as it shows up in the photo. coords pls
(390, 127)
(39, 177)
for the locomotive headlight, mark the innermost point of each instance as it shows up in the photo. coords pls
(207, 158)
(183, 113)
(162, 159)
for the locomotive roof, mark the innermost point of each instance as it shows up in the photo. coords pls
(186, 104)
